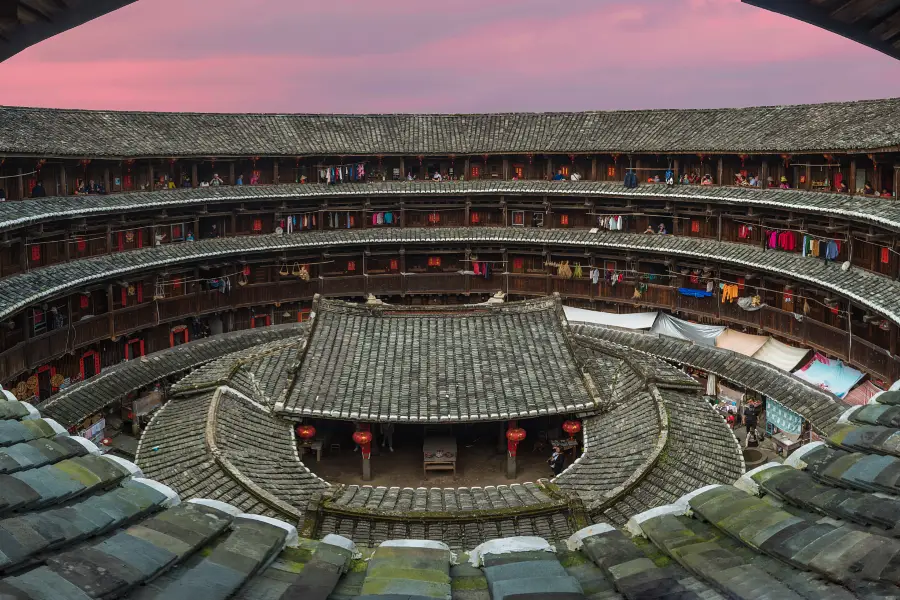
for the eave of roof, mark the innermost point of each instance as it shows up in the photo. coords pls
(872, 24)
(869, 210)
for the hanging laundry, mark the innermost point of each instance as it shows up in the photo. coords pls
(730, 293)
(578, 272)
(832, 250)
(595, 275)
(388, 218)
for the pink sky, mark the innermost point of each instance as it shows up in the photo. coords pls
(471, 56)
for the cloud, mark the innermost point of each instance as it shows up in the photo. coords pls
(471, 56)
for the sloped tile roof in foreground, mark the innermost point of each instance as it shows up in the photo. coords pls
(840, 126)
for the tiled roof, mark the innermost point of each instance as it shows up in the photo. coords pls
(862, 125)
(870, 290)
(877, 211)
(821, 408)
(216, 440)
(75, 524)
(472, 363)
(460, 517)
(85, 398)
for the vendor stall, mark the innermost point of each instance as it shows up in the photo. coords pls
(439, 454)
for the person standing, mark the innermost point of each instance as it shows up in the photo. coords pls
(557, 461)
(387, 435)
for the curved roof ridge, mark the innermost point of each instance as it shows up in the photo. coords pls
(455, 114)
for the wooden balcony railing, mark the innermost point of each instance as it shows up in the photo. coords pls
(40, 350)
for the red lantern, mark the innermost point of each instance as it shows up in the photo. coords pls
(106, 442)
(572, 427)
(364, 439)
(306, 432)
(514, 435)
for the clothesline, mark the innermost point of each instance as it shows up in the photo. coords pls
(18, 175)
(800, 231)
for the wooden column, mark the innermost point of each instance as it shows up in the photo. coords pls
(233, 223)
(150, 174)
(676, 164)
(195, 180)
(720, 172)
(110, 314)
(403, 167)
(231, 176)
(21, 183)
(505, 173)
(106, 180)
(764, 175)
(276, 176)
(468, 212)
(719, 225)
(466, 172)
(595, 174)
(550, 172)
(63, 184)
(896, 190)
(853, 176)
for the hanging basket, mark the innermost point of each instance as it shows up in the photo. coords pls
(242, 280)
(57, 380)
(284, 270)
(31, 383)
(295, 270)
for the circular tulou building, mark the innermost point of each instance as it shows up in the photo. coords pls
(556, 356)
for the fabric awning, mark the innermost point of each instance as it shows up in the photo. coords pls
(831, 375)
(742, 343)
(627, 321)
(685, 330)
(782, 417)
(781, 355)
(861, 394)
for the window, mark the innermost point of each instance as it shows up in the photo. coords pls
(537, 219)
(518, 218)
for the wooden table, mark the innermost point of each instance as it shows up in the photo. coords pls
(785, 445)
(439, 454)
(314, 445)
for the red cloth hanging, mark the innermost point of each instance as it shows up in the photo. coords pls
(84, 302)
(564, 219)
(257, 225)
(35, 252)
(740, 284)
(885, 255)
(518, 263)
(351, 265)
(695, 226)
(395, 264)
(81, 244)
